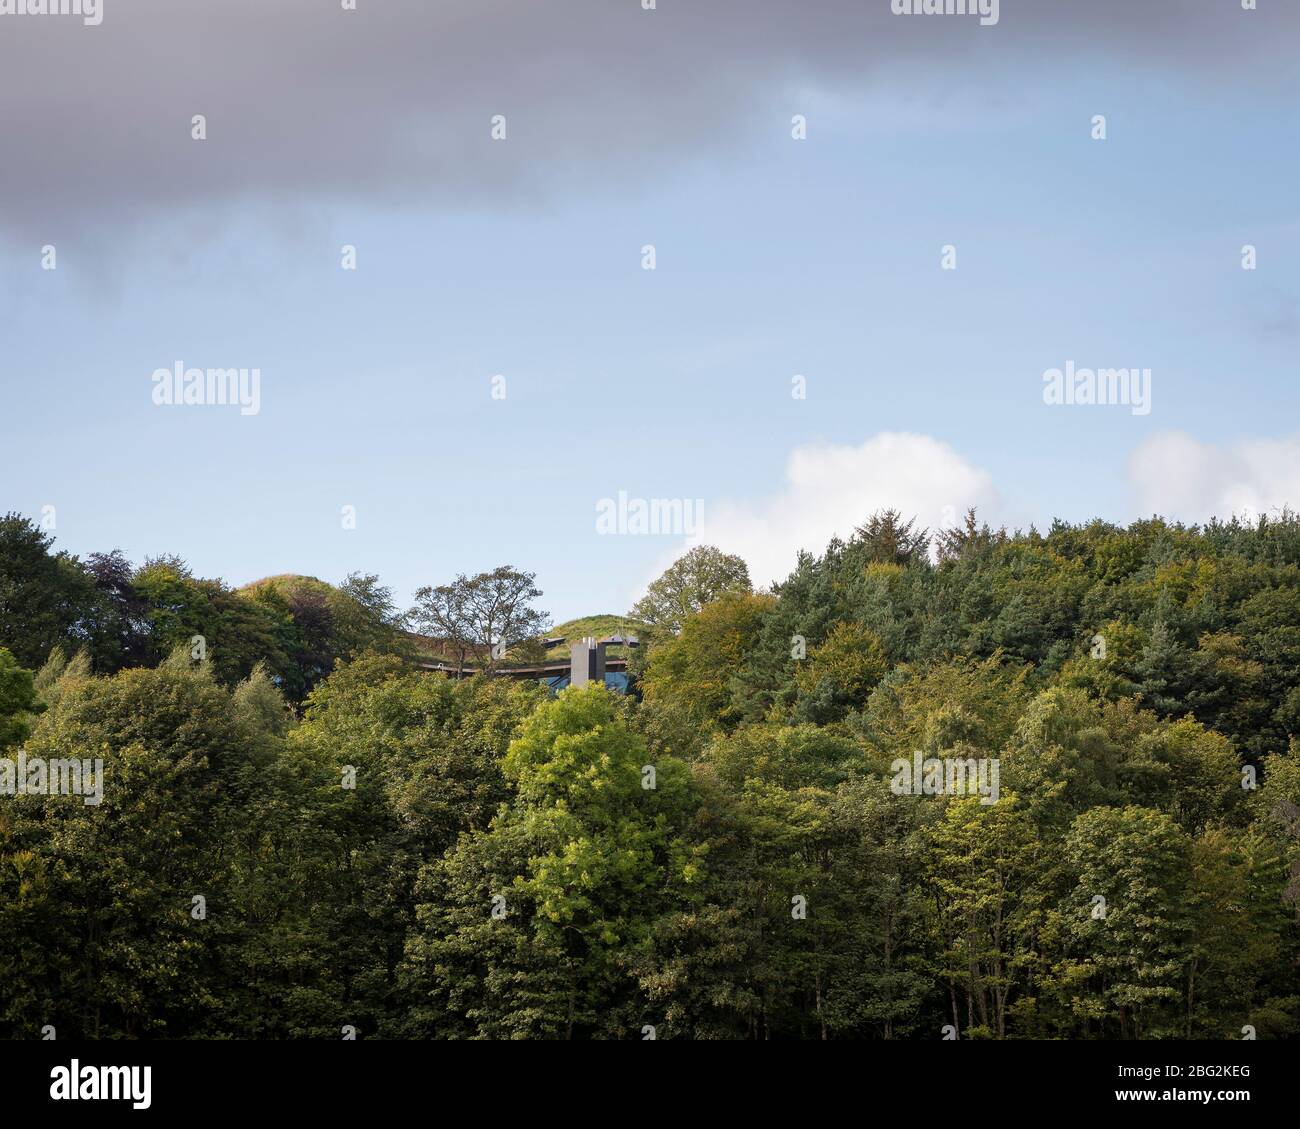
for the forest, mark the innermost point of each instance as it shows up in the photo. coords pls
(302, 832)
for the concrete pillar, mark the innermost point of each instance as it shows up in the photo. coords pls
(586, 662)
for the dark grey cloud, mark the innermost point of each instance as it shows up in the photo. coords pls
(309, 103)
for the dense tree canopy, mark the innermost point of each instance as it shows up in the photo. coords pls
(126, 616)
(1025, 786)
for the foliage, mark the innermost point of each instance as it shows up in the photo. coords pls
(701, 576)
(735, 855)
(481, 616)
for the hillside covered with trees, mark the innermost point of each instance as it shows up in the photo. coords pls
(302, 831)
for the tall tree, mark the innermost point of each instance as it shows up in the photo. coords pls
(117, 627)
(444, 613)
(18, 701)
(44, 596)
(696, 579)
(483, 616)
(525, 929)
(885, 538)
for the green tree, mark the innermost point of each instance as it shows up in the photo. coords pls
(1128, 953)
(482, 616)
(18, 701)
(44, 596)
(983, 867)
(699, 577)
(577, 869)
(687, 683)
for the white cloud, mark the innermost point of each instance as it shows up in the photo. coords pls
(1182, 479)
(829, 490)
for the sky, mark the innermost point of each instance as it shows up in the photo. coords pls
(522, 257)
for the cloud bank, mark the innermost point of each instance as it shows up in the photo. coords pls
(1181, 478)
(829, 490)
(391, 103)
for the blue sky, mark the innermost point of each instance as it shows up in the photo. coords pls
(775, 257)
